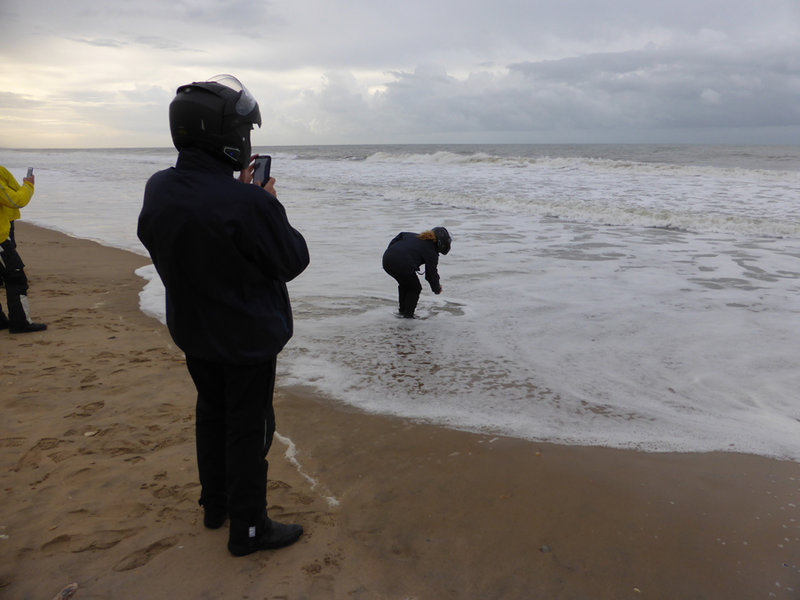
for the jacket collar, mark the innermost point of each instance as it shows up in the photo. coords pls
(194, 159)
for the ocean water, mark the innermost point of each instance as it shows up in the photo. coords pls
(628, 296)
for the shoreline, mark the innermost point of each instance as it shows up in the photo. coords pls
(100, 485)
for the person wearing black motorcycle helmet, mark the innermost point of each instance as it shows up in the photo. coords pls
(224, 251)
(406, 253)
(215, 116)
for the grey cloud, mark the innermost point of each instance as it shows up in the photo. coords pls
(157, 42)
(12, 101)
(100, 42)
(676, 88)
(171, 25)
(657, 89)
(451, 68)
(468, 33)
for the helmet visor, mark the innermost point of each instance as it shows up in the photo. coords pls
(246, 103)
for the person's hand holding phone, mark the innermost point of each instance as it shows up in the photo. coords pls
(30, 177)
(270, 186)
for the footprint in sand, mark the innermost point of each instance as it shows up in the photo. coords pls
(145, 555)
(32, 458)
(330, 562)
(103, 540)
(12, 442)
(105, 356)
(53, 293)
(67, 592)
(178, 492)
(88, 381)
(87, 410)
(100, 540)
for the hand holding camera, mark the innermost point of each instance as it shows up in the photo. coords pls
(258, 172)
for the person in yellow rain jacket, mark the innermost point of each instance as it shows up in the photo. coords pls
(14, 196)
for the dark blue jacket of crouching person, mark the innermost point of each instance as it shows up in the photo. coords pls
(224, 250)
(406, 253)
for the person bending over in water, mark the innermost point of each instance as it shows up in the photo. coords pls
(405, 254)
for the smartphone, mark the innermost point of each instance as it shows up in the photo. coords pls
(30, 172)
(262, 168)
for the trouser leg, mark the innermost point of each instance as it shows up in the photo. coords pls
(235, 426)
(401, 295)
(408, 300)
(209, 379)
(16, 284)
(251, 428)
(3, 318)
(408, 289)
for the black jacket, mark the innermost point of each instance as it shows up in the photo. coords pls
(224, 250)
(407, 253)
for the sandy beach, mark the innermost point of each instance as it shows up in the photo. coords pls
(100, 489)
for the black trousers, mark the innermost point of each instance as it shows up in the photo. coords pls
(235, 424)
(12, 275)
(408, 289)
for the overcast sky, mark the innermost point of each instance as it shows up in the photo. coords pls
(101, 73)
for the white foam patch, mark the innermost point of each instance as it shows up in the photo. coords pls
(151, 298)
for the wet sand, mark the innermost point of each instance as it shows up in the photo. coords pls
(100, 488)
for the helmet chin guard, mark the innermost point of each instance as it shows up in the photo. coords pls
(216, 116)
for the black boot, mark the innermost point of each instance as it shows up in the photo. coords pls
(27, 327)
(19, 319)
(214, 515)
(246, 538)
(3, 320)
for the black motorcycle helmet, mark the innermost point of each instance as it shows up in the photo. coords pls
(216, 116)
(443, 240)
